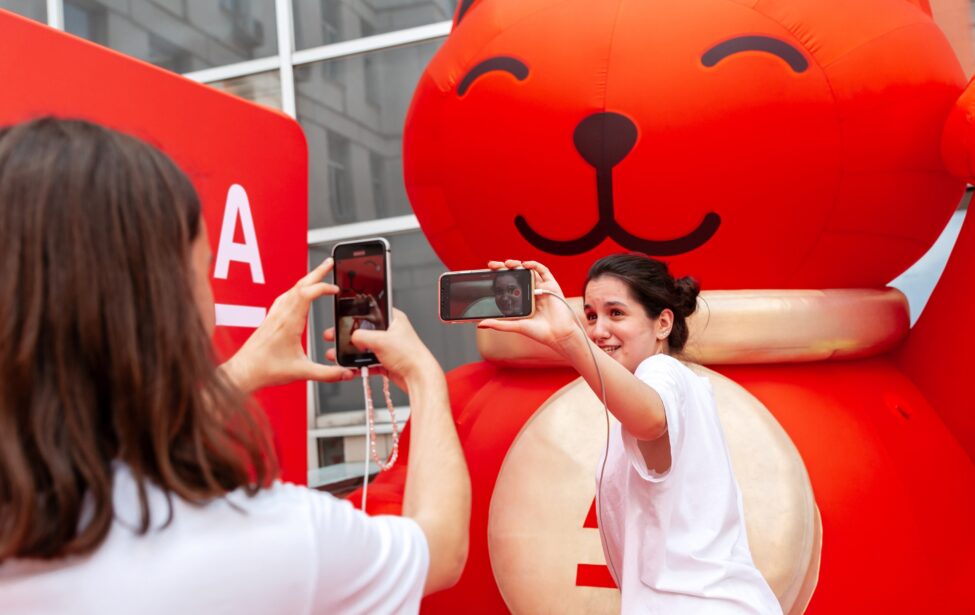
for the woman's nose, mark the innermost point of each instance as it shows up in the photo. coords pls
(598, 330)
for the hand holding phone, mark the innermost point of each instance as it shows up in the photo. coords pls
(470, 296)
(274, 354)
(363, 300)
(553, 322)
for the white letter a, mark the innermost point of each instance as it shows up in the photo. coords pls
(247, 252)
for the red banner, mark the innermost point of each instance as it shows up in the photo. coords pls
(249, 164)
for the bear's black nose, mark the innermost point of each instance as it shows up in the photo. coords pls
(604, 139)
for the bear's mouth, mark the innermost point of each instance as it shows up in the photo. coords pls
(604, 140)
(608, 227)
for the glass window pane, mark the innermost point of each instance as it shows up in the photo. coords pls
(34, 9)
(178, 35)
(322, 22)
(415, 271)
(352, 110)
(262, 88)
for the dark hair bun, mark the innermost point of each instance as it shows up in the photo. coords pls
(687, 290)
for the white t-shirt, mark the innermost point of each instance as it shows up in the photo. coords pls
(678, 539)
(288, 549)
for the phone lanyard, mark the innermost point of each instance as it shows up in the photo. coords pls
(370, 418)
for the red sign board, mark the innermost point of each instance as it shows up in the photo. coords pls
(248, 163)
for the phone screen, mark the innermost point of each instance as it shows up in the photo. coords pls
(473, 295)
(363, 298)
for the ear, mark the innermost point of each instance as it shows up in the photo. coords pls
(924, 5)
(462, 8)
(958, 136)
(665, 324)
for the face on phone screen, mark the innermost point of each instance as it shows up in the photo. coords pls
(362, 301)
(473, 295)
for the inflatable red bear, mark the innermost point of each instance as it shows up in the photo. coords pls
(794, 156)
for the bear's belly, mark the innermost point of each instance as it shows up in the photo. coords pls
(542, 538)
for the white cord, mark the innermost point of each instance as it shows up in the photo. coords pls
(602, 390)
(364, 372)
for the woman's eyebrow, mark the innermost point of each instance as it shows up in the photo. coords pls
(613, 303)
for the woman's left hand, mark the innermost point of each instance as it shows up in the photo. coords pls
(553, 324)
(274, 354)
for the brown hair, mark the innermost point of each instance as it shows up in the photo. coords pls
(104, 356)
(651, 284)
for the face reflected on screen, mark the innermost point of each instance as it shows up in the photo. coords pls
(508, 294)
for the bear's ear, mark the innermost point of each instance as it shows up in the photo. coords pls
(924, 5)
(958, 138)
(462, 8)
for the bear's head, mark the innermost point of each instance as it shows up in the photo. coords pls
(751, 143)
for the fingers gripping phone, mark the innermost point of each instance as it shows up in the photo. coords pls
(469, 296)
(364, 298)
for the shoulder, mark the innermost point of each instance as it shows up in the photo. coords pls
(280, 496)
(669, 377)
(325, 514)
(661, 364)
(299, 508)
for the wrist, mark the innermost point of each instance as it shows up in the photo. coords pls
(240, 374)
(424, 371)
(572, 345)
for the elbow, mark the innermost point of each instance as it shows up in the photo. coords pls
(456, 563)
(448, 557)
(650, 430)
(446, 569)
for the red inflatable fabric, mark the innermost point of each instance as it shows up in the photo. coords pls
(755, 144)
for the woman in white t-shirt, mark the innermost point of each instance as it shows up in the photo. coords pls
(670, 512)
(135, 476)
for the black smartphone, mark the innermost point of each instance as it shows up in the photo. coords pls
(469, 296)
(363, 302)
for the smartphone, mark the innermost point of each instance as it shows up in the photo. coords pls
(469, 296)
(363, 302)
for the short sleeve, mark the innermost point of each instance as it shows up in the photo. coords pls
(662, 374)
(366, 564)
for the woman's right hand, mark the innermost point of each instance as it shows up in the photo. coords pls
(401, 353)
(553, 324)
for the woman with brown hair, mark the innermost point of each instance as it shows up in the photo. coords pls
(669, 508)
(134, 475)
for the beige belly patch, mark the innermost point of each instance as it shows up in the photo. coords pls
(545, 489)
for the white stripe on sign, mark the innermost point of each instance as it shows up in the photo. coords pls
(240, 315)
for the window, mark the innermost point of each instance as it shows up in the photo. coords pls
(339, 178)
(178, 35)
(320, 22)
(331, 21)
(262, 88)
(85, 19)
(164, 54)
(377, 173)
(33, 9)
(371, 118)
(370, 69)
